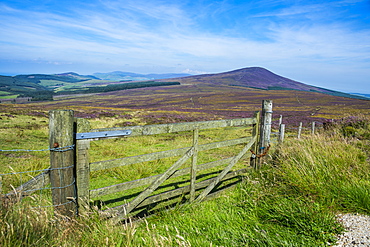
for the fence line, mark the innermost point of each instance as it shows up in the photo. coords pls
(68, 181)
(69, 177)
(72, 194)
(37, 183)
(282, 127)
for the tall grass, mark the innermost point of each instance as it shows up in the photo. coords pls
(331, 169)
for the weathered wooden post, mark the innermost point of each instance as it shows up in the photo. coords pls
(1, 191)
(62, 154)
(313, 128)
(82, 166)
(255, 133)
(281, 133)
(299, 130)
(265, 130)
(193, 174)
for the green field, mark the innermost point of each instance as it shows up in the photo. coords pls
(290, 201)
(7, 95)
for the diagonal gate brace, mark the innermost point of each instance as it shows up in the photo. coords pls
(127, 208)
(226, 170)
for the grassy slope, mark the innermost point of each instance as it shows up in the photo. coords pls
(290, 201)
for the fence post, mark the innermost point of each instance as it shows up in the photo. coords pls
(61, 135)
(255, 132)
(82, 166)
(299, 130)
(313, 128)
(265, 132)
(281, 133)
(1, 191)
(193, 174)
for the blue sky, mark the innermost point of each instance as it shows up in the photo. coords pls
(321, 43)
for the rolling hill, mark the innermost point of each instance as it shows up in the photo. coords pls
(259, 78)
(252, 77)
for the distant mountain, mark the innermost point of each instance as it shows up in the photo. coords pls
(259, 78)
(253, 77)
(128, 76)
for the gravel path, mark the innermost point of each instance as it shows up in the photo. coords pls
(357, 230)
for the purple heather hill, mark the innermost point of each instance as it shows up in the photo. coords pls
(255, 77)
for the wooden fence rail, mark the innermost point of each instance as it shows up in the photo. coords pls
(145, 197)
(66, 130)
(153, 182)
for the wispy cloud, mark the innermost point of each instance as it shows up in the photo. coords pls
(214, 36)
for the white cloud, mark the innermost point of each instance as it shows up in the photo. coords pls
(194, 72)
(147, 35)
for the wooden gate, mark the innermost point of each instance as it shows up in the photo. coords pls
(145, 198)
(202, 180)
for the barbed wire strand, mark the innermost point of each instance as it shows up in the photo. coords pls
(59, 149)
(21, 174)
(43, 170)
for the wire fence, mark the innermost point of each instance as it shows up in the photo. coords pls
(58, 149)
(33, 188)
(294, 132)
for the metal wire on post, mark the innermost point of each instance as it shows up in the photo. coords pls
(38, 183)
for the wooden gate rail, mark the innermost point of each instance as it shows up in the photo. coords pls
(100, 165)
(227, 169)
(145, 181)
(144, 199)
(180, 127)
(154, 182)
(81, 193)
(121, 214)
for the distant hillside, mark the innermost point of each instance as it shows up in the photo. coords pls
(362, 94)
(259, 78)
(19, 84)
(41, 86)
(128, 76)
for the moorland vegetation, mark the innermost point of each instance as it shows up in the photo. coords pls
(40, 87)
(292, 200)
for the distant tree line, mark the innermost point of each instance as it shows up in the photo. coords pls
(40, 95)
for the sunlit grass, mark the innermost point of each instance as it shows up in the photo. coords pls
(328, 168)
(291, 201)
